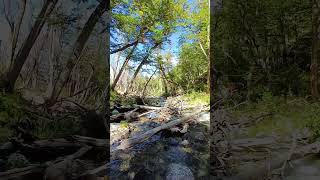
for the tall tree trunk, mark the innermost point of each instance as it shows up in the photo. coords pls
(125, 63)
(51, 62)
(9, 81)
(145, 86)
(164, 78)
(16, 32)
(78, 48)
(315, 49)
(143, 62)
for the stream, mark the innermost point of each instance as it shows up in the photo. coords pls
(166, 155)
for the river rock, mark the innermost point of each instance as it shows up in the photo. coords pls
(185, 142)
(179, 172)
(199, 136)
(17, 160)
(175, 155)
(173, 141)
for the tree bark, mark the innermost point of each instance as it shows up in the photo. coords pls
(9, 82)
(315, 50)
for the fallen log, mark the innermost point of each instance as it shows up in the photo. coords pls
(60, 170)
(127, 143)
(147, 107)
(23, 173)
(146, 113)
(94, 173)
(20, 173)
(91, 141)
(257, 172)
(129, 116)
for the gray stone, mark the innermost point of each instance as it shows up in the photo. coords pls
(17, 160)
(114, 112)
(199, 136)
(179, 172)
(176, 155)
(185, 142)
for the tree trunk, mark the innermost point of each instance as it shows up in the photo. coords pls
(9, 82)
(143, 62)
(315, 50)
(125, 63)
(145, 86)
(78, 47)
(16, 32)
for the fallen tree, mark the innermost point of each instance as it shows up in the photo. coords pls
(127, 143)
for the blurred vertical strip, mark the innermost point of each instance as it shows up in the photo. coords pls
(107, 88)
(215, 136)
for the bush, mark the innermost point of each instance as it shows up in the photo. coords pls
(197, 98)
(313, 120)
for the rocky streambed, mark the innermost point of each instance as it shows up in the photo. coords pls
(181, 152)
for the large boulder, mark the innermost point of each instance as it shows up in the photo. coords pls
(179, 172)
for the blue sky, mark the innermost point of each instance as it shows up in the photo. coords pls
(173, 47)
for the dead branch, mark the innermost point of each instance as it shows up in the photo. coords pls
(147, 107)
(140, 138)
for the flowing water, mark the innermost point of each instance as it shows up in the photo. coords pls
(165, 156)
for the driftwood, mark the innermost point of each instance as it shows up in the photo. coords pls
(94, 173)
(22, 173)
(59, 170)
(130, 115)
(147, 107)
(91, 141)
(19, 173)
(146, 113)
(256, 172)
(127, 143)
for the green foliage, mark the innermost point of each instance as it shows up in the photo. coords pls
(197, 98)
(287, 117)
(124, 124)
(269, 39)
(313, 120)
(191, 72)
(9, 109)
(17, 160)
(56, 129)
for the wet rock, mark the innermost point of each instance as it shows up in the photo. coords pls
(17, 160)
(176, 155)
(144, 175)
(173, 142)
(117, 132)
(114, 112)
(199, 136)
(179, 172)
(185, 143)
